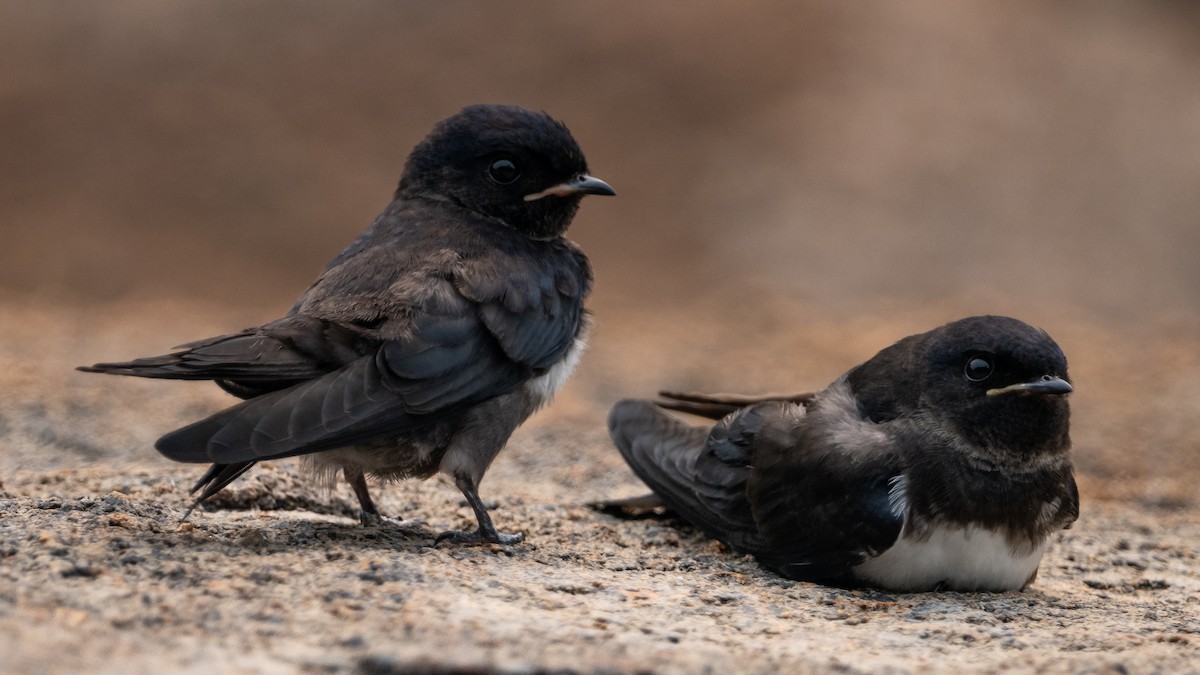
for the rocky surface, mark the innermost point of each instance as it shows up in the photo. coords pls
(97, 572)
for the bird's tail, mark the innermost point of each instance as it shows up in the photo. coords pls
(213, 481)
(716, 406)
(167, 366)
(251, 362)
(674, 460)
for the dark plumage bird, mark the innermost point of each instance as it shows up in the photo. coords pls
(422, 346)
(942, 462)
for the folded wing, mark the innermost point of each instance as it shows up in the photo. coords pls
(770, 478)
(699, 473)
(455, 352)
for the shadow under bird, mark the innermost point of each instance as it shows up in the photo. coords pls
(423, 345)
(941, 463)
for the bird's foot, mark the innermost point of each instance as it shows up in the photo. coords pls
(478, 537)
(486, 534)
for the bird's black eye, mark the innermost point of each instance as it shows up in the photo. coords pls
(978, 369)
(503, 171)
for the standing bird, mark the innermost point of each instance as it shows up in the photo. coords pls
(429, 340)
(941, 463)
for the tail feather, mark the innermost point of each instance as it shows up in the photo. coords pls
(214, 480)
(350, 405)
(716, 406)
(274, 356)
(167, 366)
(672, 458)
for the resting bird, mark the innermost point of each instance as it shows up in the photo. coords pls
(429, 340)
(941, 463)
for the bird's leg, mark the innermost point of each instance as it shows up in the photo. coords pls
(486, 534)
(367, 515)
(370, 516)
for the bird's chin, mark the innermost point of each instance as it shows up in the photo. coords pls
(549, 218)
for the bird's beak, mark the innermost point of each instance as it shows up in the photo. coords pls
(582, 184)
(1046, 384)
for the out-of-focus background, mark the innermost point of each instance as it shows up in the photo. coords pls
(800, 183)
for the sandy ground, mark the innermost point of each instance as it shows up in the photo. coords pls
(97, 573)
(801, 184)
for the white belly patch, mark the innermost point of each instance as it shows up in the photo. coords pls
(544, 388)
(952, 558)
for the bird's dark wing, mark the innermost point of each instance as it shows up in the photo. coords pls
(772, 479)
(699, 473)
(464, 342)
(275, 356)
(716, 406)
(821, 494)
(534, 316)
(1070, 510)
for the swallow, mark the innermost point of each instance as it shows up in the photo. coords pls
(423, 345)
(941, 463)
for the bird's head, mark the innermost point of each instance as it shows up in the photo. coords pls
(1001, 382)
(517, 166)
(996, 382)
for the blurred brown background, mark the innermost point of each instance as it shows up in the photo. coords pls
(800, 184)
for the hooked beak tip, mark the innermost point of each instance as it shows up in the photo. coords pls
(580, 185)
(1047, 384)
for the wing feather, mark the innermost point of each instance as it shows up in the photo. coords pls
(672, 458)
(456, 349)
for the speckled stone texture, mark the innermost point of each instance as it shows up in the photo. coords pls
(97, 573)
